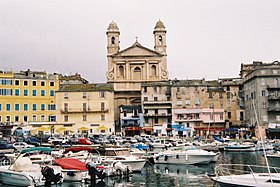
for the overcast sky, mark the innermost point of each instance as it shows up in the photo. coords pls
(205, 38)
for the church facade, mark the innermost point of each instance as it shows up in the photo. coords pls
(135, 65)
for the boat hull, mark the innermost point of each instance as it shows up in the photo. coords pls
(18, 178)
(239, 148)
(183, 159)
(133, 165)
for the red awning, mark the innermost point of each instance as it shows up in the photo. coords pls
(71, 163)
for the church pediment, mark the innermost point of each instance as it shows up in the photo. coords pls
(137, 50)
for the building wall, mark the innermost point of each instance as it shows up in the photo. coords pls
(85, 110)
(21, 92)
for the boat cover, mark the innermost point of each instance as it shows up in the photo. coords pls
(71, 163)
(39, 149)
(77, 149)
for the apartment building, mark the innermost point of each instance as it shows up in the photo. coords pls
(28, 97)
(85, 109)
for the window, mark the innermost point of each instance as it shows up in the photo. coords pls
(113, 41)
(84, 107)
(34, 107)
(84, 94)
(197, 102)
(102, 117)
(179, 102)
(0, 107)
(17, 92)
(66, 107)
(34, 83)
(66, 118)
(188, 102)
(34, 92)
(145, 98)
(52, 118)
(102, 94)
(102, 106)
(220, 95)
(25, 83)
(277, 117)
(155, 98)
(34, 118)
(17, 82)
(25, 92)
(156, 111)
(153, 71)
(121, 71)
(42, 83)
(264, 118)
(210, 95)
(84, 117)
(42, 118)
(51, 107)
(65, 95)
(229, 115)
(137, 73)
(263, 93)
(156, 120)
(42, 106)
(25, 118)
(25, 107)
(145, 89)
(17, 107)
(16, 118)
(51, 83)
(42, 92)
(8, 107)
(51, 92)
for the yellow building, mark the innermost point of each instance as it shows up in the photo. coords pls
(85, 109)
(27, 98)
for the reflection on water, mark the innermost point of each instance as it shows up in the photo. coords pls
(164, 175)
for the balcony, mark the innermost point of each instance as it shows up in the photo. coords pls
(161, 102)
(158, 115)
(273, 97)
(188, 119)
(275, 87)
(77, 111)
(273, 109)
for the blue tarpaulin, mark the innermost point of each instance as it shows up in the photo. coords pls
(230, 130)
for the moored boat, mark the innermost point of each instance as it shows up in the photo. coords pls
(246, 175)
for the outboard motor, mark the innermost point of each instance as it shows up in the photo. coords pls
(93, 171)
(49, 175)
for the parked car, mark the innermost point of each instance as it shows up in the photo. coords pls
(22, 145)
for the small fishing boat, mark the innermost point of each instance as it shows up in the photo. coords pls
(239, 147)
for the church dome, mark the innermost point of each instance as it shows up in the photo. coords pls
(113, 26)
(159, 25)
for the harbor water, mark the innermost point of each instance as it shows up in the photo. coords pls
(163, 175)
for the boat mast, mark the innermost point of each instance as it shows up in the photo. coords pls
(262, 143)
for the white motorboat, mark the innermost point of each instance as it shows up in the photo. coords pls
(246, 175)
(37, 155)
(240, 147)
(123, 155)
(186, 155)
(24, 173)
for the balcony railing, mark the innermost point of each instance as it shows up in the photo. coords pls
(72, 111)
(273, 97)
(158, 115)
(273, 109)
